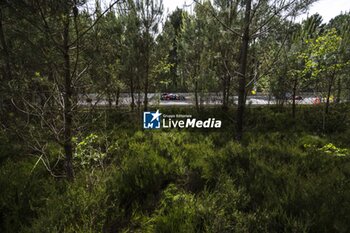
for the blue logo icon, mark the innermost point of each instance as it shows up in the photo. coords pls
(151, 120)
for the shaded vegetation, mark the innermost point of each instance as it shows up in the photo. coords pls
(76, 74)
(284, 177)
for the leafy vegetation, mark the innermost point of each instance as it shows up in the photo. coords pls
(176, 181)
(76, 74)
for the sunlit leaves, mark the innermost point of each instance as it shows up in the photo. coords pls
(322, 54)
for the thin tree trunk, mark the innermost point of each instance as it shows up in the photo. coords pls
(228, 91)
(325, 115)
(224, 105)
(138, 100)
(7, 72)
(67, 95)
(294, 93)
(329, 94)
(173, 69)
(196, 94)
(338, 91)
(117, 98)
(242, 71)
(138, 93)
(145, 101)
(132, 92)
(110, 102)
(5, 50)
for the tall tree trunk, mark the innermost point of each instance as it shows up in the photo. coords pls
(139, 100)
(330, 84)
(138, 92)
(224, 104)
(294, 93)
(110, 101)
(325, 115)
(228, 91)
(7, 72)
(117, 98)
(67, 95)
(145, 101)
(173, 69)
(339, 90)
(242, 70)
(5, 50)
(132, 91)
(196, 95)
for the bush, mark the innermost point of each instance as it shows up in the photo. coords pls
(176, 213)
(188, 181)
(73, 207)
(23, 192)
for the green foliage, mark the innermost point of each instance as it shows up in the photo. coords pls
(9, 146)
(88, 152)
(284, 176)
(176, 212)
(76, 207)
(327, 148)
(322, 54)
(283, 180)
(333, 150)
(23, 193)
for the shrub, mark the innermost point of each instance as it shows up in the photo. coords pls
(89, 152)
(176, 213)
(73, 207)
(23, 192)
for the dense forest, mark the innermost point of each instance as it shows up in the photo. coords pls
(77, 77)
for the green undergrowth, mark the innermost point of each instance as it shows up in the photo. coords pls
(178, 181)
(287, 175)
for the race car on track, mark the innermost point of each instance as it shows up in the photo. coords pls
(170, 96)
